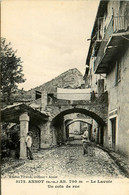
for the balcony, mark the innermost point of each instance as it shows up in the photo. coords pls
(116, 33)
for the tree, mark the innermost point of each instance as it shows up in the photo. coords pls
(11, 70)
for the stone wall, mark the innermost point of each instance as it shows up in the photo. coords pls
(35, 136)
(98, 111)
(119, 101)
(45, 135)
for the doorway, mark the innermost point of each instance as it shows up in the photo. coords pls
(101, 135)
(113, 130)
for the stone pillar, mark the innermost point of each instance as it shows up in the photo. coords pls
(97, 135)
(90, 131)
(24, 126)
(43, 100)
(64, 133)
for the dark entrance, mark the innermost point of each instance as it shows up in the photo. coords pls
(113, 128)
(102, 136)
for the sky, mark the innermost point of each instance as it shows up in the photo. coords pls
(50, 36)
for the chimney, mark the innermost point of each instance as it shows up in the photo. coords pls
(43, 100)
(100, 86)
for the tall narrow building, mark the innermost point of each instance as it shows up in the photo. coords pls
(108, 68)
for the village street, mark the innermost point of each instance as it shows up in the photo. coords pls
(67, 161)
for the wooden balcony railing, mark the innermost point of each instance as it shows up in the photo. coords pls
(117, 24)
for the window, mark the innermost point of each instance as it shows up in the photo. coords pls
(38, 95)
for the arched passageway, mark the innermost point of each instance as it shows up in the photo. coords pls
(92, 114)
(75, 128)
(58, 125)
(69, 122)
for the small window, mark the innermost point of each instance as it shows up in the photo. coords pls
(38, 95)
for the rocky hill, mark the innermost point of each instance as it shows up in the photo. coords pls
(71, 79)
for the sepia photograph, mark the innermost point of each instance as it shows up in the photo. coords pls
(64, 97)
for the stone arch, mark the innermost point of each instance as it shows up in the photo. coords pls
(76, 120)
(57, 122)
(80, 128)
(93, 115)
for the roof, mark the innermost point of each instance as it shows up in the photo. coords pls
(11, 113)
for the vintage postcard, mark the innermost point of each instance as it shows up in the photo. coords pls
(64, 97)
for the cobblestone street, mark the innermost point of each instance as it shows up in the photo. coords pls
(67, 161)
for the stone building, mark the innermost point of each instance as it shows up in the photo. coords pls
(33, 104)
(46, 98)
(51, 92)
(108, 69)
